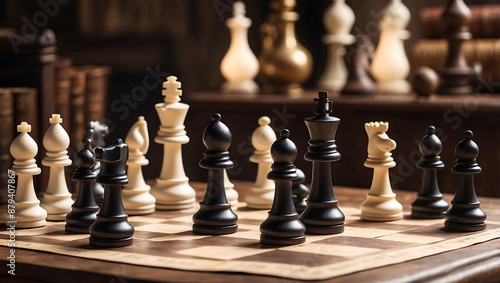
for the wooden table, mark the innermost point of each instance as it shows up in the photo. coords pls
(479, 263)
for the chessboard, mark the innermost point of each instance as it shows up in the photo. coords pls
(164, 239)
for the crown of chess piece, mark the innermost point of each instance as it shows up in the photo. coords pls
(111, 227)
(28, 213)
(262, 193)
(136, 197)
(57, 198)
(465, 215)
(338, 20)
(215, 216)
(239, 66)
(457, 76)
(380, 203)
(300, 191)
(84, 209)
(282, 226)
(322, 215)
(359, 57)
(172, 190)
(429, 202)
(96, 132)
(284, 64)
(425, 81)
(390, 66)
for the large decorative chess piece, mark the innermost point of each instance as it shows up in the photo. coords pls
(338, 19)
(262, 193)
(429, 202)
(28, 213)
(359, 57)
(457, 76)
(57, 199)
(96, 132)
(322, 215)
(287, 64)
(390, 65)
(215, 216)
(282, 226)
(380, 203)
(239, 66)
(84, 209)
(111, 227)
(465, 215)
(172, 190)
(136, 197)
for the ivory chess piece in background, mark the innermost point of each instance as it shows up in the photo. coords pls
(231, 194)
(390, 66)
(28, 212)
(380, 203)
(338, 19)
(57, 198)
(239, 66)
(136, 197)
(262, 193)
(172, 190)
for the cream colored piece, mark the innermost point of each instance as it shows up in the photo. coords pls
(28, 213)
(57, 198)
(338, 19)
(239, 66)
(136, 197)
(390, 66)
(380, 203)
(172, 190)
(261, 195)
(231, 194)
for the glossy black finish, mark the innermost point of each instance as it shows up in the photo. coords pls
(96, 132)
(300, 191)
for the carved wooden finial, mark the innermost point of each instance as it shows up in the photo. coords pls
(56, 119)
(24, 127)
(171, 90)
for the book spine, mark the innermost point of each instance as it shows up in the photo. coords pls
(7, 118)
(77, 107)
(63, 89)
(96, 93)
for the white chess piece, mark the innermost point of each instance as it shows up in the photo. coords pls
(136, 197)
(231, 194)
(239, 66)
(390, 65)
(261, 195)
(380, 203)
(338, 19)
(28, 213)
(57, 198)
(172, 190)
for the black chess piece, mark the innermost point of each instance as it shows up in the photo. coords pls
(465, 215)
(429, 202)
(322, 215)
(282, 226)
(300, 191)
(215, 216)
(358, 58)
(111, 227)
(96, 132)
(84, 209)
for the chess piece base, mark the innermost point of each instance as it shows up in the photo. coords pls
(232, 196)
(429, 207)
(275, 241)
(142, 211)
(394, 87)
(456, 81)
(31, 224)
(464, 227)
(259, 198)
(173, 194)
(240, 87)
(381, 217)
(323, 218)
(212, 230)
(381, 208)
(76, 229)
(324, 230)
(102, 243)
(176, 206)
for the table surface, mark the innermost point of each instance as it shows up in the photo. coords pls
(480, 262)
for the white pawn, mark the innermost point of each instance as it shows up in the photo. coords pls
(338, 19)
(172, 190)
(28, 213)
(231, 194)
(390, 65)
(57, 198)
(261, 195)
(136, 197)
(380, 203)
(239, 66)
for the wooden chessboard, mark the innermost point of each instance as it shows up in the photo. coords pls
(164, 240)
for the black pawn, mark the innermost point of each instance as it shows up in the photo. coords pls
(282, 226)
(465, 215)
(111, 227)
(84, 209)
(300, 191)
(322, 215)
(215, 216)
(430, 202)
